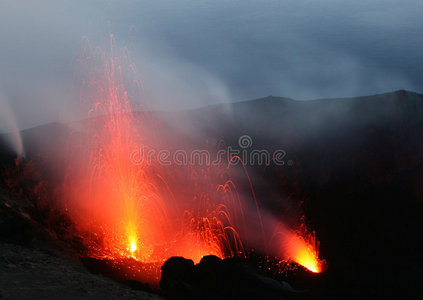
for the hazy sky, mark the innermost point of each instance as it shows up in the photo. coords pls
(193, 52)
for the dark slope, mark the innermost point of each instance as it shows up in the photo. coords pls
(357, 169)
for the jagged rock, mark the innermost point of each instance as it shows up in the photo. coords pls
(214, 278)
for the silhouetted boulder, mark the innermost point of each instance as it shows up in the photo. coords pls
(177, 274)
(214, 278)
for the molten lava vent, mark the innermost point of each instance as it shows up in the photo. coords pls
(132, 216)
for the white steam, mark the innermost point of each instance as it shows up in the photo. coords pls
(9, 125)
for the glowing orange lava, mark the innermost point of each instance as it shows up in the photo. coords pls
(304, 254)
(300, 247)
(111, 199)
(126, 210)
(121, 208)
(133, 247)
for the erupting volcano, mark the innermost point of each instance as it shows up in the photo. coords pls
(127, 210)
(302, 249)
(112, 199)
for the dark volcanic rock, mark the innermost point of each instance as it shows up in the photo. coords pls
(177, 274)
(31, 274)
(14, 228)
(214, 278)
(356, 169)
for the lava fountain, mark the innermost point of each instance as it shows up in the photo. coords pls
(304, 253)
(118, 204)
(124, 210)
(299, 246)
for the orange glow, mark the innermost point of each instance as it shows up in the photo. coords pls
(124, 210)
(133, 247)
(114, 201)
(300, 247)
(305, 254)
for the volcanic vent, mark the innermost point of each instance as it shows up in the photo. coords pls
(129, 217)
